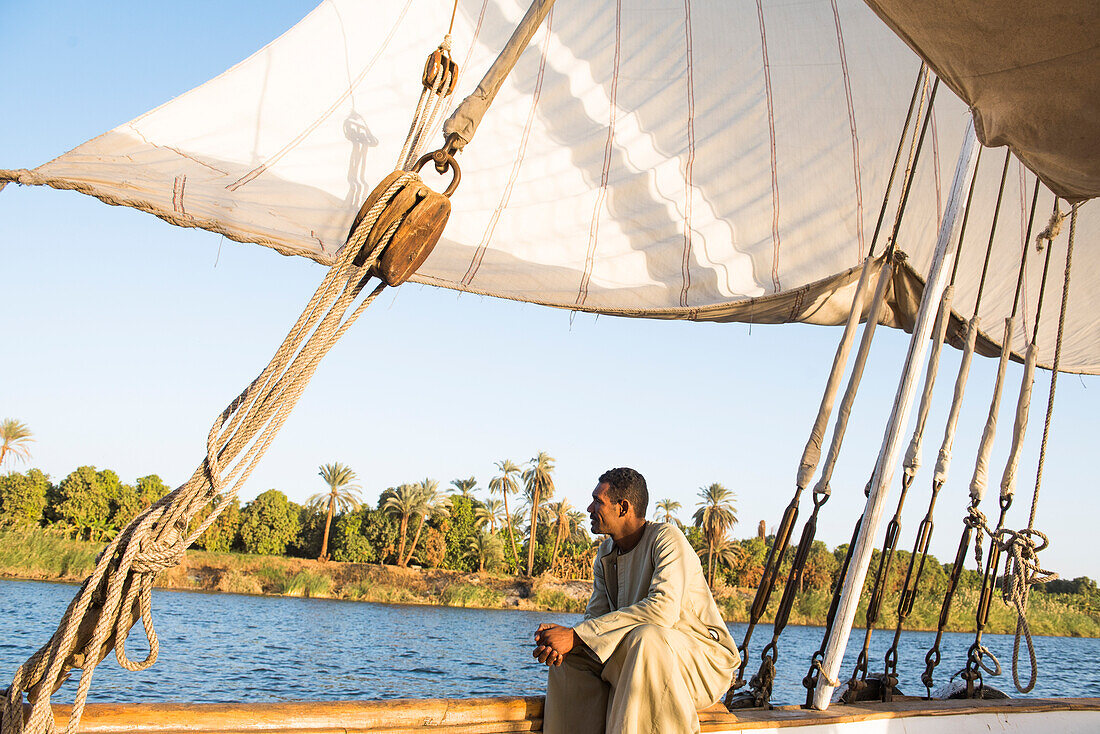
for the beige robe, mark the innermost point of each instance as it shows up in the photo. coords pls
(657, 647)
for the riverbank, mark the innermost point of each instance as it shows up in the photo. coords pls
(38, 555)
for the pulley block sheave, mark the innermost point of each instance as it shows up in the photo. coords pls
(419, 213)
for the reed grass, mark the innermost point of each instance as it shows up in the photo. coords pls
(307, 584)
(40, 554)
(469, 595)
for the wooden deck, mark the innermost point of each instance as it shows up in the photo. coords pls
(516, 714)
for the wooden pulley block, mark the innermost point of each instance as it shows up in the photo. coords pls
(420, 213)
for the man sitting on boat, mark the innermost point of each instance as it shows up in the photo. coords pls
(652, 648)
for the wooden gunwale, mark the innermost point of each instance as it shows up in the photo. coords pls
(490, 715)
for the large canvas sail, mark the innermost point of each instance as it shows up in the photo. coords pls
(697, 160)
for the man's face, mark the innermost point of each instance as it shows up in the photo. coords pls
(607, 517)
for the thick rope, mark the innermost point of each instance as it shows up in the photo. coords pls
(423, 123)
(120, 586)
(1022, 568)
(119, 590)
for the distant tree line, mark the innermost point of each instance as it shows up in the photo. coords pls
(461, 527)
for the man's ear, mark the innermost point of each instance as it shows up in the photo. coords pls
(624, 508)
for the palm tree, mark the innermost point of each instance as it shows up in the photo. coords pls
(560, 515)
(14, 437)
(505, 485)
(578, 533)
(485, 549)
(715, 516)
(488, 514)
(342, 495)
(402, 502)
(668, 507)
(539, 486)
(464, 487)
(432, 504)
(728, 554)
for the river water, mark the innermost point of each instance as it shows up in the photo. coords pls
(229, 647)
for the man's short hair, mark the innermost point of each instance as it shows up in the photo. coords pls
(626, 484)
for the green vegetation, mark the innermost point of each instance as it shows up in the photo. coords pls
(419, 545)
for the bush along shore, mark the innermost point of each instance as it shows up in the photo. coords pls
(1069, 608)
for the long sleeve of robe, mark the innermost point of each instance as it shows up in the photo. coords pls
(657, 647)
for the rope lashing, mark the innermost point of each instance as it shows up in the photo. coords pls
(1054, 227)
(822, 490)
(100, 616)
(118, 592)
(975, 520)
(1022, 569)
(810, 680)
(811, 454)
(1008, 541)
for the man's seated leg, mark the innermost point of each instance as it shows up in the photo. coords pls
(659, 678)
(576, 696)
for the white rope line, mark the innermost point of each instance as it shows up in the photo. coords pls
(811, 454)
(845, 410)
(939, 332)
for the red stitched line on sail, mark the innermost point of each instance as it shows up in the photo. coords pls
(685, 266)
(771, 133)
(475, 263)
(936, 166)
(254, 173)
(852, 125)
(594, 228)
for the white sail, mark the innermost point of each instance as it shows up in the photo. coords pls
(696, 160)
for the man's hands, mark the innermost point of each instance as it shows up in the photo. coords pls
(553, 642)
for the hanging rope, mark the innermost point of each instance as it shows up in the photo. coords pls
(770, 655)
(811, 454)
(1007, 541)
(1022, 568)
(974, 520)
(119, 589)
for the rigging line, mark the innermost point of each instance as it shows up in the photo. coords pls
(974, 519)
(1054, 369)
(761, 682)
(917, 93)
(812, 452)
(966, 215)
(972, 673)
(915, 156)
(992, 232)
(1022, 568)
(924, 530)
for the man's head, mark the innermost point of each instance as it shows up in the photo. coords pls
(619, 502)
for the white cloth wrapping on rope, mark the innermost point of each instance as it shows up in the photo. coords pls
(1019, 427)
(980, 480)
(943, 460)
(844, 412)
(939, 330)
(812, 453)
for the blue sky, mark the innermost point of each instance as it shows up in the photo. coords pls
(125, 337)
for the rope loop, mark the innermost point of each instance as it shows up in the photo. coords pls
(976, 520)
(1053, 228)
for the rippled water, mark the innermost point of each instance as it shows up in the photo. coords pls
(228, 647)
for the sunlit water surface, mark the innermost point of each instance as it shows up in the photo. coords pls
(229, 647)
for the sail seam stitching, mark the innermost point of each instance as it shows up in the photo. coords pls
(852, 126)
(771, 133)
(521, 152)
(685, 265)
(594, 227)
